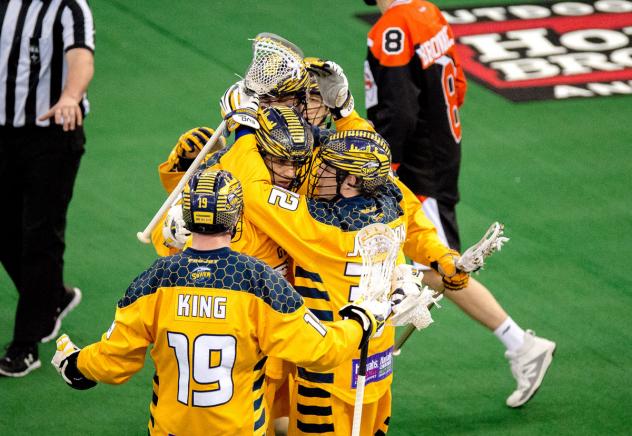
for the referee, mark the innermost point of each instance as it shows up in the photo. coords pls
(46, 64)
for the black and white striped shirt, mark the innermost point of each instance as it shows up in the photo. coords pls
(34, 38)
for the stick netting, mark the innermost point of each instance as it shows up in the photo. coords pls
(378, 246)
(274, 60)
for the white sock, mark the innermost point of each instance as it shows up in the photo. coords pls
(510, 334)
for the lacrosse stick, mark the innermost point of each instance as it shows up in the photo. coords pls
(472, 260)
(378, 246)
(274, 60)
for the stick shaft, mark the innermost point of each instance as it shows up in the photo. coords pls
(401, 339)
(410, 329)
(359, 399)
(145, 235)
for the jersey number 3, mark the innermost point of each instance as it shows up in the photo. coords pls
(212, 365)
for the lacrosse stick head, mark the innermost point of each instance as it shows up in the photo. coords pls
(378, 245)
(473, 259)
(275, 62)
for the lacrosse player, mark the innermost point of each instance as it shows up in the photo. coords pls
(286, 153)
(523, 348)
(212, 315)
(318, 232)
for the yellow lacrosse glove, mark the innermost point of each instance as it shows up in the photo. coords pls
(188, 147)
(453, 278)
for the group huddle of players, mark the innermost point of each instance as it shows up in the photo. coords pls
(231, 349)
(304, 145)
(311, 173)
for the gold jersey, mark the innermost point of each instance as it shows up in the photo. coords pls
(212, 317)
(422, 243)
(320, 238)
(248, 239)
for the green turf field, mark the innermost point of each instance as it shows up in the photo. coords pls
(556, 173)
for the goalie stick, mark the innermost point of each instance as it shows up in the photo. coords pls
(274, 60)
(472, 260)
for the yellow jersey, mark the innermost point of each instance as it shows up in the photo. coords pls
(212, 317)
(248, 239)
(422, 243)
(320, 238)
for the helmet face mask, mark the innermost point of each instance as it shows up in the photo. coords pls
(212, 202)
(315, 111)
(359, 153)
(285, 142)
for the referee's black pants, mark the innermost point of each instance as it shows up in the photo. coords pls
(38, 167)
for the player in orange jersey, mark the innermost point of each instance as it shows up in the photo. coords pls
(414, 87)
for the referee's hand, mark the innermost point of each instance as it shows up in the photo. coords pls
(66, 112)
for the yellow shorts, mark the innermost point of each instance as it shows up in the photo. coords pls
(316, 411)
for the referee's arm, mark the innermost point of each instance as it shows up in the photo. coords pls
(80, 71)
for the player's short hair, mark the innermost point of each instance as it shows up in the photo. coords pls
(360, 153)
(284, 134)
(212, 202)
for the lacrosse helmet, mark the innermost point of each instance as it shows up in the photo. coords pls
(212, 202)
(285, 140)
(284, 61)
(360, 153)
(315, 111)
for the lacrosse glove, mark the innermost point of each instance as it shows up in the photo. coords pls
(333, 85)
(410, 299)
(371, 314)
(239, 107)
(173, 229)
(453, 278)
(65, 362)
(188, 147)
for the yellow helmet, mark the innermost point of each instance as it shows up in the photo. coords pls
(360, 153)
(212, 202)
(285, 135)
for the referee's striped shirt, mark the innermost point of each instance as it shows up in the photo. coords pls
(34, 38)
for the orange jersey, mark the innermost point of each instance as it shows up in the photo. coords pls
(414, 87)
(415, 31)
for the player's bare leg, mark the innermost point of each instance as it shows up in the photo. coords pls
(475, 300)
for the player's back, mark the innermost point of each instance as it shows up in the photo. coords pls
(203, 318)
(414, 88)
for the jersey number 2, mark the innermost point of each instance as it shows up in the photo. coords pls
(217, 376)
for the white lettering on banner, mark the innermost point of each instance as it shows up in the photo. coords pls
(491, 48)
(555, 50)
(435, 47)
(531, 12)
(594, 88)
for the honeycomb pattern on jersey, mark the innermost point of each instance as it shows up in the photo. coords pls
(229, 270)
(352, 214)
(214, 159)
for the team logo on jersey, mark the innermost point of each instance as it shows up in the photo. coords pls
(554, 50)
(200, 273)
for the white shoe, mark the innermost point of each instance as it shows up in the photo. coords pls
(71, 299)
(529, 365)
